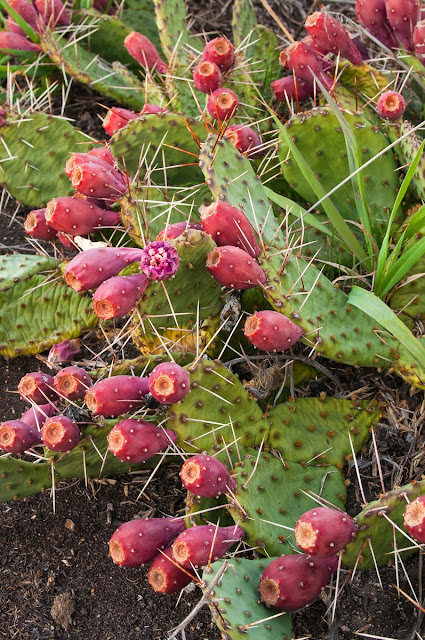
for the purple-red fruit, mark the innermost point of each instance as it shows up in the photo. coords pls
(206, 476)
(331, 36)
(77, 159)
(72, 382)
(138, 440)
(271, 331)
(305, 64)
(169, 382)
(144, 51)
(207, 77)
(78, 217)
(159, 260)
(223, 104)
(234, 268)
(38, 414)
(152, 108)
(116, 395)
(27, 11)
(203, 544)
(137, 542)
(53, 11)
(403, 16)
(102, 153)
(92, 267)
(391, 105)
(15, 42)
(37, 227)
(93, 179)
(246, 140)
(64, 351)
(118, 295)
(228, 225)
(117, 118)
(323, 531)
(173, 231)
(414, 519)
(292, 88)
(419, 40)
(17, 436)
(372, 14)
(37, 387)
(165, 576)
(60, 433)
(221, 52)
(295, 580)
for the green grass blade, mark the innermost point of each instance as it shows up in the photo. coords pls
(406, 261)
(416, 224)
(298, 211)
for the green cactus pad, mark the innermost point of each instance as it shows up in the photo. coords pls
(208, 506)
(408, 301)
(33, 153)
(374, 525)
(235, 605)
(16, 267)
(20, 479)
(276, 493)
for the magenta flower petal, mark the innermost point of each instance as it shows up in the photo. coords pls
(159, 261)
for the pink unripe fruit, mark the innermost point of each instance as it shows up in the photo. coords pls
(78, 217)
(37, 227)
(93, 179)
(324, 531)
(27, 11)
(17, 436)
(305, 64)
(207, 77)
(246, 140)
(295, 580)
(228, 225)
(165, 576)
(137, 542)
(145, 52)
(222, 104)
(53, 11)
(234, 268)
(72, 382)
(206, 476)
(118, 295)
(403, 16)
(38, 414)
(271, 331)
(169, 382)
(173, 231)
(203, 544)
(221, 52)
(37, 387)
(102, 153)
(64, 351)
(77, 159)
(290, 88)
(60, 433)
(92, 267)
(391, 105)
(332, 36)
(117, 118)
(414, 519)
(372, 14)
(138, 440)
(116, 395)
(152, 108)
(16, 42)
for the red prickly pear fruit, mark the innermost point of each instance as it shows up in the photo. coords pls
(78, 217)
(391, 105)
(37, 227)
(66, 241)
(104, 5)
(152, 108)
(403, 16)
(305, 64)
(118, 295)
(313, 44)
(38, 414)
(222, 104)
(203, 544)
(145, 52)
(206, 476)
(72, 382)
(53, 11)
(60, 433)
(414, 519)
(165, 576)
(332, 36)
(78, 159)
(228, 225)
(116, 395)
(234, 268)
(27, 11)
(159, 260)
(295, 580)
(137, 542)
(173, 231)
(169, 383)
(102, 153)
(324, 531)
(221, 52)
(207, 77)
(246, 140)
(15, 42)
(37, 387)
(138, 440)
(290, 88)
(14, 27)
(372, 14)
(92, 179)
(64, 351)
(17, 436)
(117, 118)
(419, 40)
(92, 267)
(271, 331)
